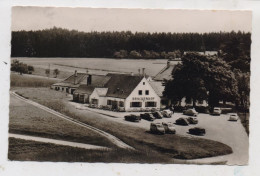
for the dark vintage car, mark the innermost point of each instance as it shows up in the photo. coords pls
(190, 112)
(182, 121)
(132, 118)
(197, 131)
(192, 120)
(147, 116)
(157, 115)
(157, 128)
(169, 127)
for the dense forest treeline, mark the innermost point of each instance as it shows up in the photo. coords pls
(57, 42)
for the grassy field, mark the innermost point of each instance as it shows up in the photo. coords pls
(172, 145)
(23, 150)
(96, 65)
(62, 75)
(18, 80)
(27, 119)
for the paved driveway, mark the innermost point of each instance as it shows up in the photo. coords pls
(218, 128)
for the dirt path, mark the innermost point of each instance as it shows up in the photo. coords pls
(58, 142)
(110, 137)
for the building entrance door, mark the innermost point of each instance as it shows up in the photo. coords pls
(114, 105)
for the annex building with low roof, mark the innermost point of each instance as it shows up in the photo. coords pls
(125, 92)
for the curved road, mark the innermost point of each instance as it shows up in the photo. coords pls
(110, 137)
(58, 142)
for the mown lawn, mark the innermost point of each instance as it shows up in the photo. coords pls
(173, 145)
(24, 150)
(28, 119)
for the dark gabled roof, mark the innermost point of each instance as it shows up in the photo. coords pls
(98, 80)
(121, 86)
(79, 78)
(165, 73)
(84, 89)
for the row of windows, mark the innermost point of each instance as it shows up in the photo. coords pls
(140, 92)
(139, 104)
(119, 103)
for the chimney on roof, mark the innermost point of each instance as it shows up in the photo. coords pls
(143, 71)
(139, 71)
(87, 71)
(75, 77)
(89, 80)
(132, 74)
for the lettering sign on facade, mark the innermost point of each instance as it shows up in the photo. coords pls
(143, 98)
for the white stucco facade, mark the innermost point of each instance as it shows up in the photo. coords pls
(143, 97)
(146, 98)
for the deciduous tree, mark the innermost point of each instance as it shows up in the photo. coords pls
(202, 77)
(56, 72)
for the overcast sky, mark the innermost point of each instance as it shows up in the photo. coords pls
(91, 19)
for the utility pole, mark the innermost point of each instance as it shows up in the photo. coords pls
(49, 71)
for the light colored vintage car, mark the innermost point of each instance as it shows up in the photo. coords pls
(157, 128)
(169, 127)
(216, 111)
(167, 113)
(192, 120)
(233, 117)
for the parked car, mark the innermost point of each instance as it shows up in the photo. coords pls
(153, 110)
(93, 106)
(147, 116)
(106, 108)
(132, 118)
(157, 128)
(192, 120)
(167, 113)
(190, 112)
(182, 121)
(233, 117)
(169, 127)
(157, 115)
(216, 111)
(197, 131)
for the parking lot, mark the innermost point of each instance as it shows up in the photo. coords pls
(218, 128)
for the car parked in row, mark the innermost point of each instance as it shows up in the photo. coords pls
(233, 117)
(192, 120)
(169, 127)
(216, 111)
(157, 115)
(182, 121)
(190, 112)
(132, 118)
(147, 116)
(157, 128)
(167, 113)
(197, 131)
